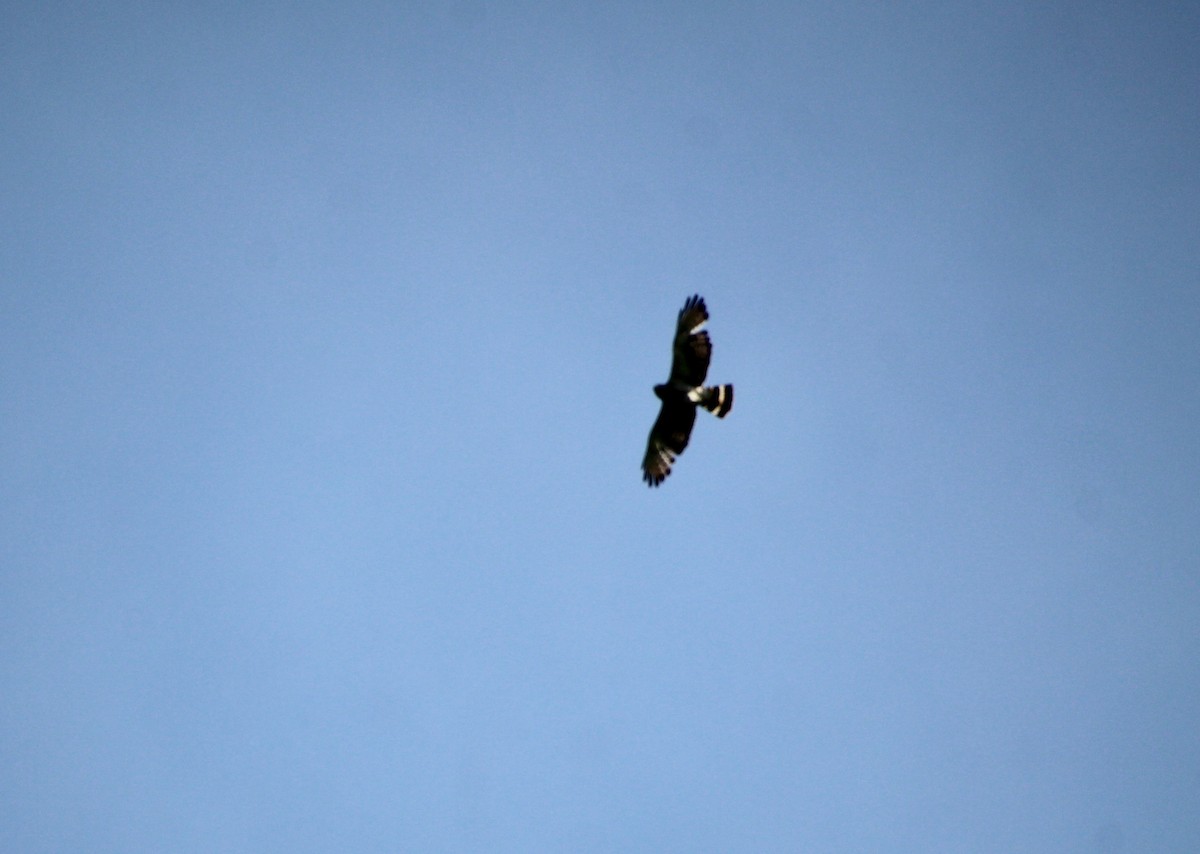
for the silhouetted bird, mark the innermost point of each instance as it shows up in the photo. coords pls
(683, 392)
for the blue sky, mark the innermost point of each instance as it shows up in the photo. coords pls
(327, 339)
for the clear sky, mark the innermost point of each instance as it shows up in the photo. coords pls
(327, 340)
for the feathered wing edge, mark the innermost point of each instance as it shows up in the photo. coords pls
(691, 350)
(668, 438)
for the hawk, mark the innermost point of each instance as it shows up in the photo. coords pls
(683, 392)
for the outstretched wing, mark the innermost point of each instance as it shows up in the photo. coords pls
(692, 350)
(668, 437)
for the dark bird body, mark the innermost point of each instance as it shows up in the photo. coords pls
(683, 392)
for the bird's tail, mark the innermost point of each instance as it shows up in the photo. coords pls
(717, 399)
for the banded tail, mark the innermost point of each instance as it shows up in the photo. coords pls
(717, 399)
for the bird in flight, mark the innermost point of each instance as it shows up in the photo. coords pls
(683, 392)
